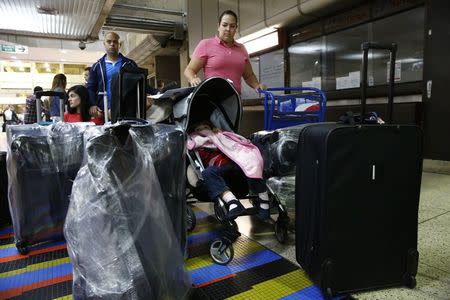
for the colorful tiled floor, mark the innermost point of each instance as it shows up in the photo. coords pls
(254, 273)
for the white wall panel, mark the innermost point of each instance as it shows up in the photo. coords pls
(194, 19)
(275, 7)
(209, 17)
(251, 13)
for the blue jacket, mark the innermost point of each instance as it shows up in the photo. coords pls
(97, 80)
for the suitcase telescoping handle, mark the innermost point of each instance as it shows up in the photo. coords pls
(140, 89)
(62, 97)
(392, 48)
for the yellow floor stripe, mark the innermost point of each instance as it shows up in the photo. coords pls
(68, 297)
(277, 288)
(35, 267)
(7, 246)
(241, 249)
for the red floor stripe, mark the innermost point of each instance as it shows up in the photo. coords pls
(20, 290)
(215, 280)
(6, 235)
(20, 256)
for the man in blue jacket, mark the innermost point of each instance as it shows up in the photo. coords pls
(103, 71)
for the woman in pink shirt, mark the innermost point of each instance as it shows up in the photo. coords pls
(222, 56)
(79, 106)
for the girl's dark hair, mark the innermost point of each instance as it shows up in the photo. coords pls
(193, 125)
(82, 92)
(228, 12)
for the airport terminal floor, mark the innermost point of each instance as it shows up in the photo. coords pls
(262, 267)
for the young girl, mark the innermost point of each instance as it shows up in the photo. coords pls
(223, 153)
(79, 106)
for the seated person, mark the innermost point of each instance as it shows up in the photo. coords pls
(78, 110)
(222, 152)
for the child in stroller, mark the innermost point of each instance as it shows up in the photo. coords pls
(226, 156)
(226, 166)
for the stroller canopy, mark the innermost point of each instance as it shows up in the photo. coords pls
(216, 100)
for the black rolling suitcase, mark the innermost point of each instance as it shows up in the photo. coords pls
(5, 216)
(357, 200)
(128, 93)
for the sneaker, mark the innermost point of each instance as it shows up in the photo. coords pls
(235, 212)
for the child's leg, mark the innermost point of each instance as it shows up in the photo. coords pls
(259, 186)
(217, 187)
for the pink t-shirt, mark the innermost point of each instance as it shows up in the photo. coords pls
(221, 60)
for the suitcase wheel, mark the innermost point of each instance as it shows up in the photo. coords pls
(22, 247)
(221, 251)
(191, 219)
(281, 233)
(411, 282)
(328, 294)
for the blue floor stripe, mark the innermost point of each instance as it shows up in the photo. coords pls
(203, 237)
(13, 250)
(35, 276)
(246, 262)
(6, 230)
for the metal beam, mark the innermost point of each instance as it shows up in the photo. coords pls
(101, 19)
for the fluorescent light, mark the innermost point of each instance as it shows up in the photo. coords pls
(261, 43)
(256, 35)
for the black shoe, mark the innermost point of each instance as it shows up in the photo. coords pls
(235, 212)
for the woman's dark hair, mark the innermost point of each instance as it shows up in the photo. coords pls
(82, 92)
(228, 12)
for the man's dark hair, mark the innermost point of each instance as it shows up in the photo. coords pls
(228, 12)
(87, 68)
(37, 89)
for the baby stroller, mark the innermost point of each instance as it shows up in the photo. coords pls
(216, 100)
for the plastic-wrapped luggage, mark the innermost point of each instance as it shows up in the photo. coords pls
(166, 144)
(42, 163)
(284, 189)
(279, 150)
(119, 232)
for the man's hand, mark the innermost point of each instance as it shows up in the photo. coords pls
(95, 111)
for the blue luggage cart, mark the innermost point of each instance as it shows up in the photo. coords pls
(297, 105)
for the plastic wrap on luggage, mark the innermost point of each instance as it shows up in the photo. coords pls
(166, 144)
(119, 232)
(42, 163)
(284, 189)
(279, 150)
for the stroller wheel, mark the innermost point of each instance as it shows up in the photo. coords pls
(280, 229)
(191, 219)
(221, 251)
(219, 212)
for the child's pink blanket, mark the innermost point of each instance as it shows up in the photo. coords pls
(237, 148)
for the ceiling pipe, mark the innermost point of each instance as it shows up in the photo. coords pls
(151, 9)
(304, 11)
